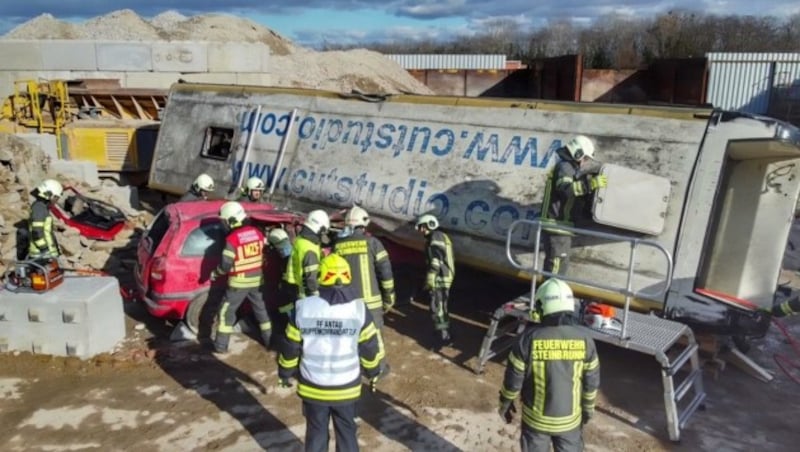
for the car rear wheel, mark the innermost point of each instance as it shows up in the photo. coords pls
(200, 315)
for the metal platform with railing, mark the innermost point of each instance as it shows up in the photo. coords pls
(671, 343)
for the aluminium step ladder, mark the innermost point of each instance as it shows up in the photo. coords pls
(671, 343)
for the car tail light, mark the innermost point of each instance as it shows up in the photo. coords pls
(158, 268)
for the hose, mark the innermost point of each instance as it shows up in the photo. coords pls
(784, 362)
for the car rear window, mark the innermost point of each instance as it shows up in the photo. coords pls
(208, 239)
(158, 229)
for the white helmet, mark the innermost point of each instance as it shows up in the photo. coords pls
(203, 182)
(49, 188)
(255, 183)
(276, 236)
(555, 296)
(428, 221)
(580, 146)
(356, 217)
(318, 221)
(232, 212)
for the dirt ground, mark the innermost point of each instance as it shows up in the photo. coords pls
(156, 395)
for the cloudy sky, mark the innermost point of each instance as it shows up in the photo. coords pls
(312, 22)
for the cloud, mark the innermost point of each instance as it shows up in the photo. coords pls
(421, 9)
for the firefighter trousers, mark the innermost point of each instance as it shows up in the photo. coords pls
(556, 253)
(439, 310)
(534, 441)
(234, 298)
(318, 417)
(377, 317)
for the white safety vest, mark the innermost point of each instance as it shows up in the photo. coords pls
(330, 336)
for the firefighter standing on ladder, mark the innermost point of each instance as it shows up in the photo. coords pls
(242, 261)
(441, 271)
(566, 201)
(41, 237)
(372, 271)
(303, 265)
(332, 340)
(555, 367)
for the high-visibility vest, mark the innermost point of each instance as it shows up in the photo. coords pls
(245, 245)
(295, 271)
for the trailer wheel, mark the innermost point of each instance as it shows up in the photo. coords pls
(200, 316)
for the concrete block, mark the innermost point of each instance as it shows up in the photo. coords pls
(236, 56)
(82, 317)
(151, 79)
(254, 79)
(69, 55)
(45, 141)
(18, 55)
(124, 56)
(7, 79)
(126, 198)
(81, 171)
(228, 78)
(179, 57)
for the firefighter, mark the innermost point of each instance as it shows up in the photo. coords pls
(331, 341)
(253, 190)
(441, 271)
(242, 261)
(555, 366)
(278, 250)
(200, 189)
(303, 265)
(567, 201)
(41, 236)
(372, 271)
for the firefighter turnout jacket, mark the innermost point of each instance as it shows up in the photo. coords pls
(242, 258)
(440, 261)
(557, 370)
(303, 264)
(372, 271)
(40, 229)
(331, 344)
(565, 199)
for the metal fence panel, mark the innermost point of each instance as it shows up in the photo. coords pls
(449, 61)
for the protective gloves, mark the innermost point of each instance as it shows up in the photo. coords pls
(598, 181)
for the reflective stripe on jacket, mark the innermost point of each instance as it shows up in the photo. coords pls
(370, 267)
(40, 228)
(243, 258)
(441, 264)
(302, 268)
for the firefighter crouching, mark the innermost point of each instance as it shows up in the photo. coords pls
(441, 271)
(41, 236)
(242, 261)
(303, 265)
(555, 366)
(202, 186)
(332, 340)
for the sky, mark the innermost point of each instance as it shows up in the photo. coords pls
(314, 22)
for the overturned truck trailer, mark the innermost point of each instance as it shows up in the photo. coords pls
(716, 189)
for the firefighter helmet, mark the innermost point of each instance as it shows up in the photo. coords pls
(554, 296)
(50, 188)
(429, 221)
(233, 213)
(580, 146)
(334, 270)
(317, 221)
(357, 217)
(203, 182)
(255, 183)
(276, 236)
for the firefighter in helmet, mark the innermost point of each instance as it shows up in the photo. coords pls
(253, 190)
(330, 342)
(41, 236)
(279, 247)
(242, 261)
(554, 365)
(200, 189)
(441, 271)
(303, 265)
(567, 199)
(787, 308)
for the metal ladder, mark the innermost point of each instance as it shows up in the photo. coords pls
(644, 333)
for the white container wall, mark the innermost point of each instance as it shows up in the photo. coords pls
(744, 81)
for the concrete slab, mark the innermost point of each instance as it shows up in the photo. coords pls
(81, 171)
(254, 79)
(236, 56)
(46, 142)
(69, 55)
(81, 317)
(20, 55)
(124, 56)
(211, 77)
(7, 79)
(179, 57)
(151, 79)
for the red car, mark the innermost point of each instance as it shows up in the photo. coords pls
(181, 247)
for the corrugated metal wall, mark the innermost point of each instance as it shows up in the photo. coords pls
(449, 61)
(745, 81)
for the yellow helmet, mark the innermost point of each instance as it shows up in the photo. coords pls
(334, 270)
(555, 296)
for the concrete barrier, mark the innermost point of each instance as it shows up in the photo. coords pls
(179, 56)
(59, 55)
(81, 171)
(211, 77)
(82, 317)
(236, 57)
(124, 56)
(150, 79)
(46, 142)
(20, 55)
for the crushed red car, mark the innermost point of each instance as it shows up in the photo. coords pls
(95, 219)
